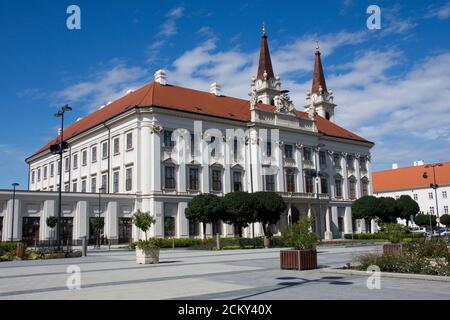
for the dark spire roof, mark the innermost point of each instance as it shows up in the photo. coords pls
(319, 77)
(265, 63)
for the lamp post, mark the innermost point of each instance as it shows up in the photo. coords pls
(434, 186)
(14, 185)
(59, 149)
(100, 191)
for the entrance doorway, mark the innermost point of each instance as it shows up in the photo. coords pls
(30, 229)
(93, 232)
(125, 230)
(67, 230)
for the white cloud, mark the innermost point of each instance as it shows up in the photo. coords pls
(440, 12)
(106, 85)
(169, 27)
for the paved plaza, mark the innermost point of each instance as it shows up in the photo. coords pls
(191, 274)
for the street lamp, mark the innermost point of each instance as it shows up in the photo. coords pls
(14, 185)
(434, 186)
(59, 149)
(100, 191)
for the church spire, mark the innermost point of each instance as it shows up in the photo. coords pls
(265, 63)
(319, 77)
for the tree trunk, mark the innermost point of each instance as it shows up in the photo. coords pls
(204, 231)
(264, 226)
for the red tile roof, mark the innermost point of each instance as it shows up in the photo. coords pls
(187, 100)
(409, 178)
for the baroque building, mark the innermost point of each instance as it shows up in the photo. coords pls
(158, 146)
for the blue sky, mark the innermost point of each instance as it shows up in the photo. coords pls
(391, 85)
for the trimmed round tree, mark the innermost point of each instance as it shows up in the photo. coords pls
(269, 207)
(407, 208)
(205, 208)
(143, 221)
(367, 208)
(389, 210)
(423, 220)
(51, 223)
(445, 220)
(240, 209)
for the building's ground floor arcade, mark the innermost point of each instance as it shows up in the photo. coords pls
(332, 219)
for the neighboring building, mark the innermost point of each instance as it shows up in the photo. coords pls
(130, 147)
(415, 182)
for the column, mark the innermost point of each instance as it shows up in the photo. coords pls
(345, 176)
(182, 177)
(369, 175)
(335, 221)
(358, 177)
(279, 159)
(227, 178)
(328, 230)
(182, 223)
(348, 227)
(112, 222)
(155, 149)
(204, 160)
(331, 173)
(13, 227)
(45, 233)
(299, 162)
(157, 230)
(82, 221)
(317, 184)
(255, 161)
(144, 176)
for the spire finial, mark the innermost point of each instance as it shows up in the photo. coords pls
(317, 46)
(264, 28)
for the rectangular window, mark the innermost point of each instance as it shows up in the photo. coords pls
(430, 195)
(116, 146)
(129, 179)
(446, 209)
(167, 139)
(337, 160)
(52, 170)
(269, 148)
(269, 182)
(216, 175)
(94, 154)
(307, 155)
(350, 164)
(213, 151)
(237, 181)
(193, 179)
(129, 140)
(192, 145)
(290, 180)
(84, 158)
(338, 186)
(66, 187)
(59, 167)
(309, 186)
(105, 150)
(324, 185)
(431, 210)
(365, 188)
(104, 185)
(94, 184)
(235, 149)
(45, 173)
(74, 186)
(194, 229)
(75, 161)
(169, 177)
(444, 194)
(352, 189)
(83, 185)
(288, 151)
(116, 181)
(39, 175)
(416, 197)
(67, 164)
(322, 159)
(32, 176)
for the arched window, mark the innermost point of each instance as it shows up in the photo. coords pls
(352, 188)
(327, 115)
(364, 186)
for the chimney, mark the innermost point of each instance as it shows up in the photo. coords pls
(419, 163)
(161, 77)
(395, 166)
(214, 88)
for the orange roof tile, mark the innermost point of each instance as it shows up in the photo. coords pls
(409, 178)
(187, 100)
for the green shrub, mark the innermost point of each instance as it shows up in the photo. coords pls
(11, 246)
(149, 243)
(382, 236)
(299, 235)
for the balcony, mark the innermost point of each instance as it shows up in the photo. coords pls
(304, 195)
(289, 162)
(308, 164)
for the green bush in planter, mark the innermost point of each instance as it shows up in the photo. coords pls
(149, 243)
(143, 221)
(299, 235)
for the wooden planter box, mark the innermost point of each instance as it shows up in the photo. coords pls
(20, 251)
(268, 242)
(147, 256)
(298, 259)
(393, 248)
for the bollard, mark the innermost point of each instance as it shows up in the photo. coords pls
(83, 246)
(218, 241)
